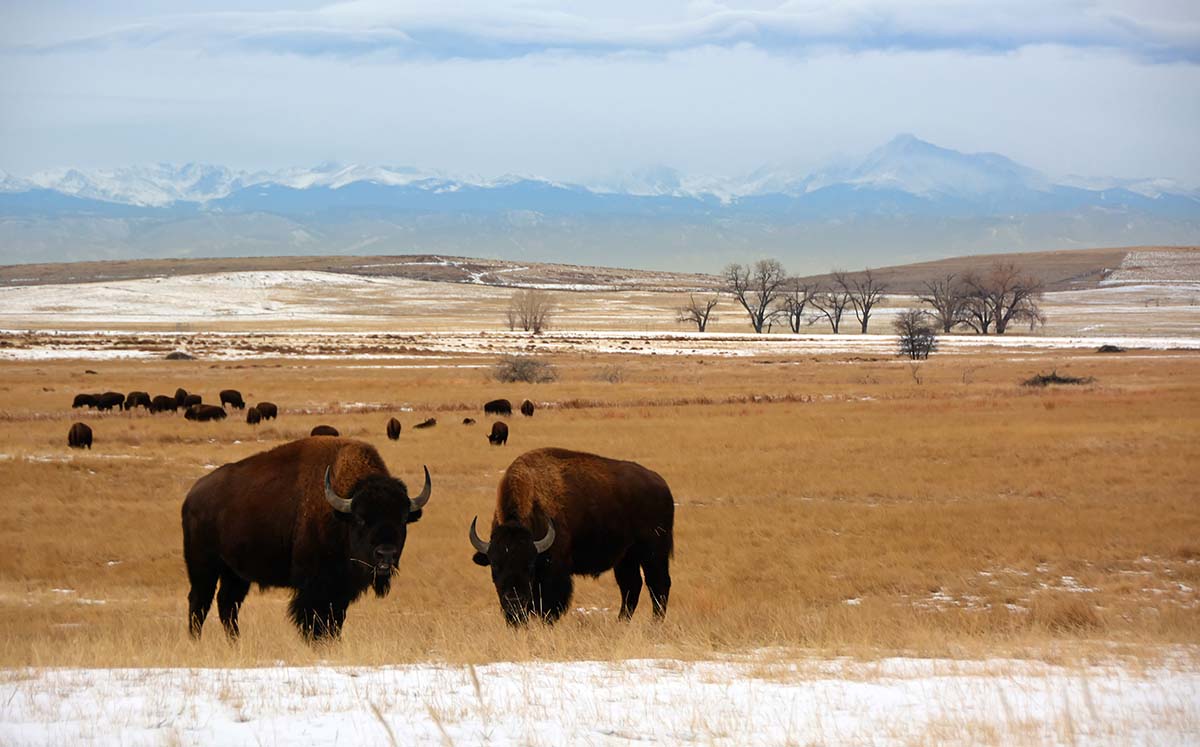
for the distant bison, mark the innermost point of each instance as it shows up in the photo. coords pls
(320, 516)
(499, 434)
(527, 409)
(233, 398)
(253, 416)
(84, 400)
(268, 410)
(80, 436)
(393, 429)
(426, 423)
(137, 399)
(592, 514)
(180, 395)
(324, 430)
(192, 399)
(204, 413)
(110, 401)
(468, 421)
(498, 407)
(163, 403)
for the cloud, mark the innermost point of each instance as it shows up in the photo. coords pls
(1154, 30)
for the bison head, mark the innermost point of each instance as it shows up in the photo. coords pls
(377, 515)
(513, 554)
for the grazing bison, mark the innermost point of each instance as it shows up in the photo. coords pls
(499, 434)
(592, 514)
(192, 399)
(426, 423)
(498, 407)
(84, 400)
(163, 403)
(204, 413)
(137, 399)
(80, 436)
(253, 416)
(268, 410)
(393, 429)
(527, 409)
(181, 394)
(320, 516)
(324, 430)
(232, 397)
(468, 421)
(110, 400)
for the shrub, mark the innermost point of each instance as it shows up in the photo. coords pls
(1055, 378)
(918, 336)
(524, 368)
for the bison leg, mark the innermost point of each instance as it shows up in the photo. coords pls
(658, 579)
(629, 579)
(229, 601)
(317, 619)
(200, 600)
(552, 597)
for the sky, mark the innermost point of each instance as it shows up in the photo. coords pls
(580, 91)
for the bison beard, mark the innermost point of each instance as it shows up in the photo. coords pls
(276, 519)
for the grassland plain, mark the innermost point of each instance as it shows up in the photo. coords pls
(829, 503)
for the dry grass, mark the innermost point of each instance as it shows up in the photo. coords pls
(828, 503)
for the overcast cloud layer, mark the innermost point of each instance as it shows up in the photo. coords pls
(570, 91)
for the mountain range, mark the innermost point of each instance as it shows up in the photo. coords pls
(907, 200)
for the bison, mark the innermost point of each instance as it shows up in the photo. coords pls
(268, 410)
(163, 403)
(498, 407)
(192, 399)
(499, 434)
(84, 400)
(324, 430)
(181, 394)
(80, 436)
(393, 429)
(426, 423)
(320, 516)
(137, 399)
(468, 421)
(110, 401)
(591, 514)
(527, 409)
(253, 416)
(233, 398)
(204, 413)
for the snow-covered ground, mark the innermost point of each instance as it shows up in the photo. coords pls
(807, 701)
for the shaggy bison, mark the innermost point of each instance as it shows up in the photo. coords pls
(268, 410)
(80, 436)
(324, 430)
(163, 403)
(527, 409)
(393, 429)
(137, 399)
(253, 416)
(591, 514)
(233, 398)
(192, 399)
(84, 400)
(204, 413)
(110, 401)
(498, 407)
(468, 421)
(180, 395)
(499, 434)
(320, 516)
(426, 423)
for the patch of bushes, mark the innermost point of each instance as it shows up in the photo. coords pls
(1054, 377)
(524, 368)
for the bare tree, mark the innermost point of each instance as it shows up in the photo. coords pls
(918, 336)
(698, 312)
(756, 288)
(530, 309)
(865, 291)
(797, 297)
(948, 296)
(832, 303)
(1004, 294)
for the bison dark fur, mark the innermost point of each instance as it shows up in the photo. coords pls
(253, 416)
(80, 436)
(498, 407)
(499, 434)
(468, 421)
(110, 401)
(137, 399)
(324, 430)
(268, 410)
(84, 400)
(393, 429)
(163, 403)
(192, 399)
(591, 514)
(233, 398)
(527, 409)
(320, 516)
(203, 413)
(426, 423)
(180, 395)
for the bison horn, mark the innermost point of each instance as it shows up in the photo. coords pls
(478, 544)
(544, 543)
(340, 504)
(423, 498)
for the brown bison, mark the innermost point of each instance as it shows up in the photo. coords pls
(499, 434)
(233, 398)
(110, 401)
(426, 423)
(192, 399)
(268, 410)
(527, 409)
(163, 403)
(137, 399)
(253, 416)
(320, 516)
(80, 436)
(468, 421)
(181, 394)
(498, 407)
(591, 514)
(324, 430)
(393, 429)
(84, 400)
(204, 413)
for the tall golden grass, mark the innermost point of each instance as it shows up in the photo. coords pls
(829, 503)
